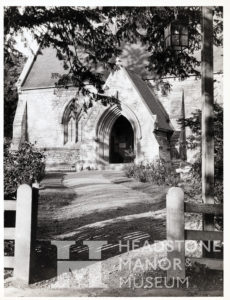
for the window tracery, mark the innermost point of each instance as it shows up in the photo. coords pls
(71, 122)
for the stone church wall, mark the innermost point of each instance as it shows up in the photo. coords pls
(43, 110)
(147, 145)
(192, 96)
(192, 99)
(63, 158)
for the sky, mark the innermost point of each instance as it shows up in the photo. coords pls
(25, 43)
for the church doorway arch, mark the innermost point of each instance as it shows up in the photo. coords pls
(105, 132)
(121, 146)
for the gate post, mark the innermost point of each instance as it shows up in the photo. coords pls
(175, 233)
(23, 233)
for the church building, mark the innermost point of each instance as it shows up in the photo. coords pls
(141, 128)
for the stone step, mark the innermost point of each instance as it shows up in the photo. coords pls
(116, 167)
(72, 168)
(60, 168)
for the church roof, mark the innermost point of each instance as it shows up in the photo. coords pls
(45, 68)
(151, 101)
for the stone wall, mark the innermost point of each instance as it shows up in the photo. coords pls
(44, 128)
(45, 108)
(192, 96)
(147, 145)
(192, 99)
(62, 156)
(20, 124)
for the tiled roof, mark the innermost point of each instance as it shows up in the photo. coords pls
(44, 71)
(46, 66)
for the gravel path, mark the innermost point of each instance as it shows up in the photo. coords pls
(99, 205)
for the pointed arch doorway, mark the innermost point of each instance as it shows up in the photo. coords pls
(104, 132)
(121, 144)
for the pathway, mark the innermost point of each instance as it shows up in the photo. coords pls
(100, 205)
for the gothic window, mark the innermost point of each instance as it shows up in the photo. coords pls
(72, 130)
(70, 121)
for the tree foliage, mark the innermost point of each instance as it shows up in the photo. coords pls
(194, 141)
(98, 32)
(87, 36)
(12, 69)
(23, 166)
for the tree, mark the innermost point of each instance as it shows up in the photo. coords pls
(76, 30)
(12, 69)
(194, 142)
(73, 30)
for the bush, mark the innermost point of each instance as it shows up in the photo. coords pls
(157, 172)
(196, 180)
(22, 166)
(194, 142)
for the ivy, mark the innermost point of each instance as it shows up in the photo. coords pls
(25, 165)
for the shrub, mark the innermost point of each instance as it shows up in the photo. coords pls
(22, 166)
(194, 142)
(158, 172)
(196, 181)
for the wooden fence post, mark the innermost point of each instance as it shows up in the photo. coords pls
(207, 121)
(23, 233)
(175, 233)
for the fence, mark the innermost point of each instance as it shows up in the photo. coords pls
(21, 233)
(176, 234)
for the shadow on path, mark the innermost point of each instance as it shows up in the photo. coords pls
(94, 206)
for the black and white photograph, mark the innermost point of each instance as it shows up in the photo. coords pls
(113, 161)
